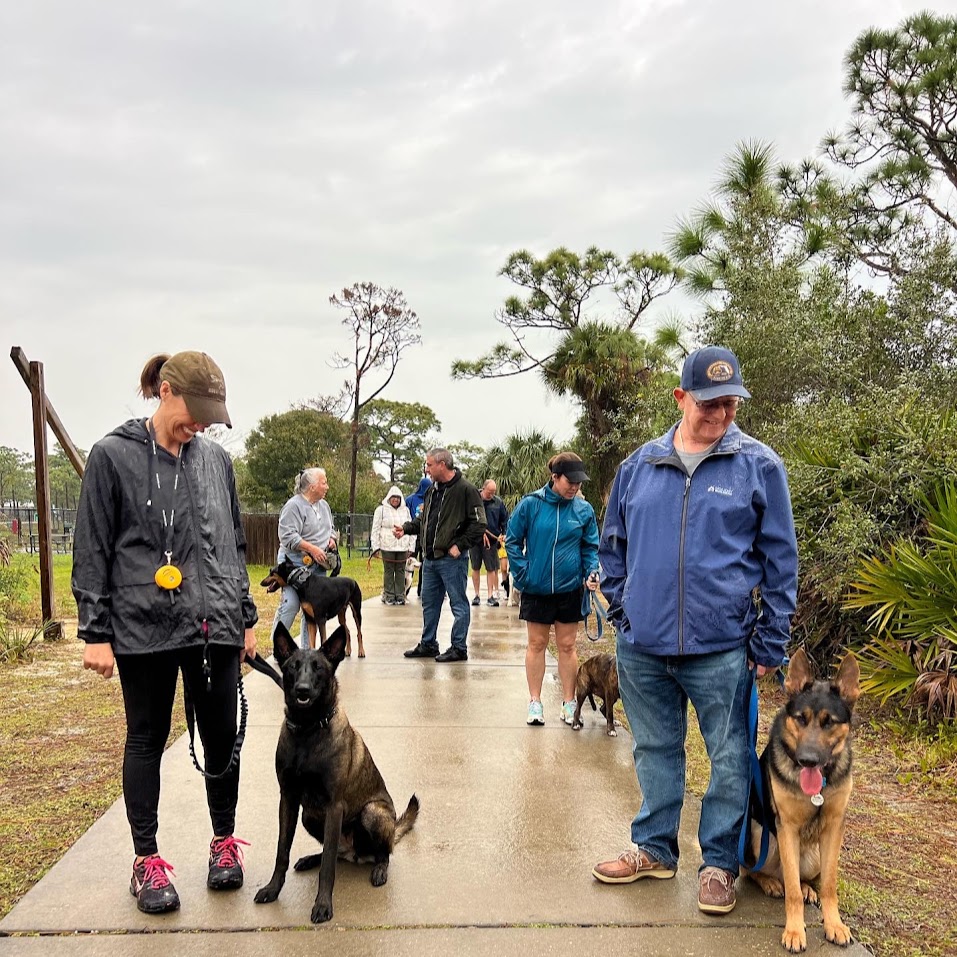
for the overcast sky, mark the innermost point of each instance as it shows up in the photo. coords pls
(204, 175)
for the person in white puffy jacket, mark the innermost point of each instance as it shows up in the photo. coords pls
(393, 551)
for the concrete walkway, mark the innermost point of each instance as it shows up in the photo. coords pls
(513, 819)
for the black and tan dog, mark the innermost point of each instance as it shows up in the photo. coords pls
(321, 599)
(598, 675)
(806, 770)
(324, 767)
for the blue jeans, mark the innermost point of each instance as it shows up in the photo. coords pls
(289, 608)
(655, 692)
(441, 577)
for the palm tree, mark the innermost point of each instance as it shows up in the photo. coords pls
(518, 466)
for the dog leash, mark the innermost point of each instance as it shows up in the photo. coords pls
(258, 664)
(592, 605)
(756, 783)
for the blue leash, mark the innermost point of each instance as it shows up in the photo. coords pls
(757, 779)
(592, 605)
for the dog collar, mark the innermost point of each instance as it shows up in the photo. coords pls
(312, 725)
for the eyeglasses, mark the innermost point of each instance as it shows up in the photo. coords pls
(730, 405)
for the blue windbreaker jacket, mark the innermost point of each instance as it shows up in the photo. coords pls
(551, 543)
(681, 556)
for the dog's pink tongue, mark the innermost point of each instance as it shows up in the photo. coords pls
(811, 780)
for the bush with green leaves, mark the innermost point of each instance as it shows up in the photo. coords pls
(911, 593)
(860, 478)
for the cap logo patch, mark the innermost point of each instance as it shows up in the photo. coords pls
(720, 371)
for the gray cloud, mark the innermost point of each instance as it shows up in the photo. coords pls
(205, 175)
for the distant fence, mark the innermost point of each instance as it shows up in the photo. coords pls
(262, 535)
(262, 532)
(22, 523)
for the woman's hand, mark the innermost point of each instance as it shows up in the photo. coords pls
(591, 582)
(98, 657)
(249, 640)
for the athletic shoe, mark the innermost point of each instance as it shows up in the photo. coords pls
(493, 603)
(225, 863)
(151, 887)
(568, 712)
(536, 713)
(476, 601)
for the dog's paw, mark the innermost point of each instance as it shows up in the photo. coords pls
(577, 725)
(362, 653)
(266, 895)
(794, 939)
(838, 933)
(809, 894)
(771, 886)
(380, 874)
(612, 733)
(321, 912)
(308, 862)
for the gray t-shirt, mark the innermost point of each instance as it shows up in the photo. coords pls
(691, 460)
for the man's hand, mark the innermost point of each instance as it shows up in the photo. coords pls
(454, 551)
(99, 658)
(398, 531)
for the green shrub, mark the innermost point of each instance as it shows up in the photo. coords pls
(860, 478)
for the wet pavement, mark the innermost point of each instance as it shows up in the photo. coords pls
(512, 820)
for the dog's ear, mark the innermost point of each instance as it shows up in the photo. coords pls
(847, 682)
(283, 647)
(334, 647)
(799, 674)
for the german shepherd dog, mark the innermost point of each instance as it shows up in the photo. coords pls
(597, 675)
(806, 768)
(324, 767)
(321, 598)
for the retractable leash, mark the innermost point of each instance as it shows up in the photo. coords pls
(756, 782)
(258, 664)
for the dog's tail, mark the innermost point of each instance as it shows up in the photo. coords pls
(404, 824)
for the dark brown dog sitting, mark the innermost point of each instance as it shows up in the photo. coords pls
(324, 767)
(598, 675)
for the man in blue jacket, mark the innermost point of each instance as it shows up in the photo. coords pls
(699, 565)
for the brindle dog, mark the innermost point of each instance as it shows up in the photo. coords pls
(806, 768)
(598, 675)
(324, 767)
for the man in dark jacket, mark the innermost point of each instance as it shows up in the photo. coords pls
(496, 519)
(451, 522)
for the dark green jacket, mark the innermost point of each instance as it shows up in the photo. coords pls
(461, 517)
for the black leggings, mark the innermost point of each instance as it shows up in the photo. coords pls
(149, 686)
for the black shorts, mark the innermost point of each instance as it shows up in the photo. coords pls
(565, 608)
(480, 555)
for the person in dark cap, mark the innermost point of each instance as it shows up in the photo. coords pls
(159, 576)
(698, 523)
(552, 546)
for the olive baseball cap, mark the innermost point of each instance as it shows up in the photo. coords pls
(200, 382)
(712, 373)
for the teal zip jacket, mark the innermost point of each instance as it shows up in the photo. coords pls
(551, 543)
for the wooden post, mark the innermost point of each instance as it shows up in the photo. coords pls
(53, 628)
(19, 359)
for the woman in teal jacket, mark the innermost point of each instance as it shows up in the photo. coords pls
(552, 547)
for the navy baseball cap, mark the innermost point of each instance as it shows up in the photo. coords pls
(712, 372)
